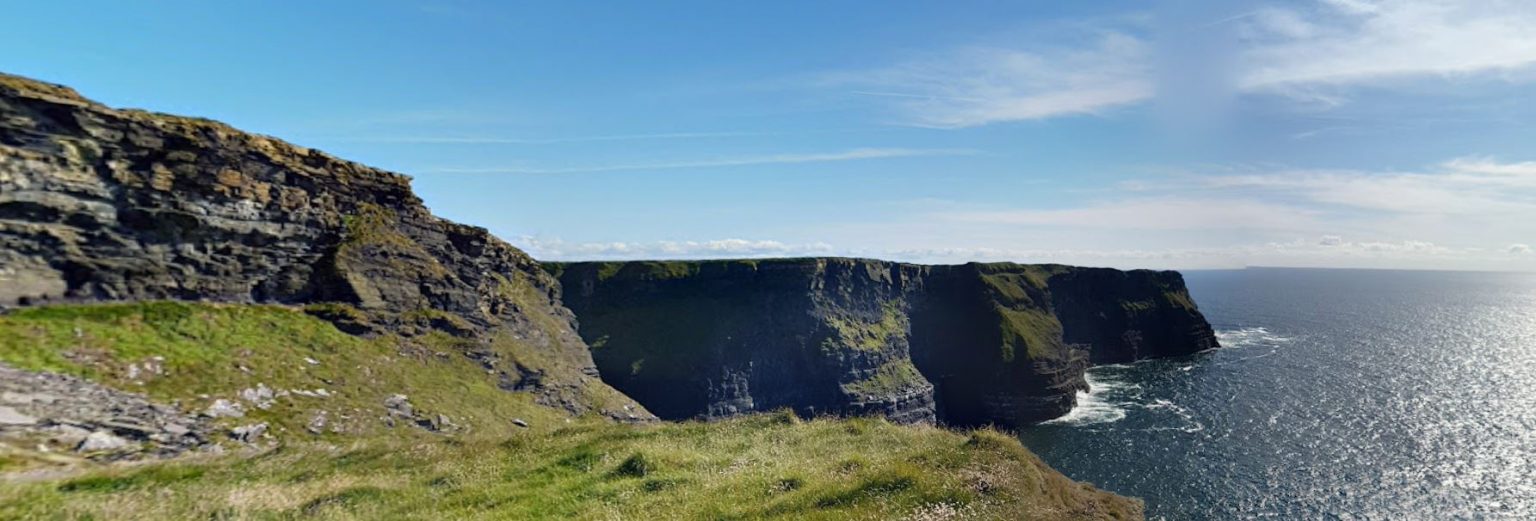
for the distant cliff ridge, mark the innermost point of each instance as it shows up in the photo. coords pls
(972, 344)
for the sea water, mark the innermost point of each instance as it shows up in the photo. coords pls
(1339, 394)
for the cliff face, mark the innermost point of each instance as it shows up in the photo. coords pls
(717, 339)
(1129, 315)
(99, 204)
(973, 344)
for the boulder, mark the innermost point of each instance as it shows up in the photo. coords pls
(103, 441)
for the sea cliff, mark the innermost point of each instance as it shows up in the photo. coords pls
(974, 344)
(172, 285)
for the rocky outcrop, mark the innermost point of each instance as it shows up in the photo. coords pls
(100, 204)
(1128, 315)
(67, 414)
(972, 344)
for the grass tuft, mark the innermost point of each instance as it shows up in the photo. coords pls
(636, 466)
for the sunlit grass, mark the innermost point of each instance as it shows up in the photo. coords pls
(769, 466)
(759, 467)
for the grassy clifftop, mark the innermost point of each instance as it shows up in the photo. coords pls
(196, 354)
(761, 467)
(359, 467)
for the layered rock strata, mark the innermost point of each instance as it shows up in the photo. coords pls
(973, 344)
(101, 204)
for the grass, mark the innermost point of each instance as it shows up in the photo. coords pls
(770, 466)
(206, 352)
(759, 467)
(866, 335)
(1022, 304)
(1035, 330)
(894, 376)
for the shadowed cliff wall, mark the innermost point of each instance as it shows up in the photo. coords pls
(972, 344)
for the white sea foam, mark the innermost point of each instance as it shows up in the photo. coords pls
(1102, 403)
(1249, 336)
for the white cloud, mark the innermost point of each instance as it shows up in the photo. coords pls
(496, 140)
(977, 86)
(557, 249)
(1354, 41)
(856, 154)
(1519, 249)
(1457, 214)
(1296, 252)
(1312, 51)
(1471, 187)
(1152, 213)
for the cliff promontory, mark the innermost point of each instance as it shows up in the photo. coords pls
(972, 344)
(100, 204)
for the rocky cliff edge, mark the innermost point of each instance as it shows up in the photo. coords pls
(973, 344)
(101, 204)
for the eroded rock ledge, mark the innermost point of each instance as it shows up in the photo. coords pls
(103, 204)
(966, 345)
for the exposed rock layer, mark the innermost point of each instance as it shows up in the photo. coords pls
(66, 413)
(972, 344)
(102, 204)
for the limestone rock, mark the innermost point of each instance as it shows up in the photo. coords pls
(100, 204)
(966, 345)
(317, 423)
(248, 433)
(260, 396)
(103, 441)
(68, 413)
(399, 405)
(222, 408)
(9, 416)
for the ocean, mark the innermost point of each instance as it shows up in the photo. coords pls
(1338, 394)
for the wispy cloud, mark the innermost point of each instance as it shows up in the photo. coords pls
(1464, 212)
(1313, 51)
(1463, 187)
(494, 140)
(1299, 252)
(1157, 212)
(1342, 42)
(857, 154)
(557, 249)
(976, 86)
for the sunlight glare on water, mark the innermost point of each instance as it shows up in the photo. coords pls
(1338, 394)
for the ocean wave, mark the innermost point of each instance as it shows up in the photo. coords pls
(1104, 402)
(1249, 336)
(1109, 399)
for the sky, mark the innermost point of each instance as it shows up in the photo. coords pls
(1133, 134)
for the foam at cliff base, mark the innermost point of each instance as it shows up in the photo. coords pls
(1104, 402)
(1248, 336)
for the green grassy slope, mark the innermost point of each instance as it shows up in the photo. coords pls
(205, 352)
(761, 467)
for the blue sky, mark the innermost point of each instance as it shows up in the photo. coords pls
(1195, 134)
